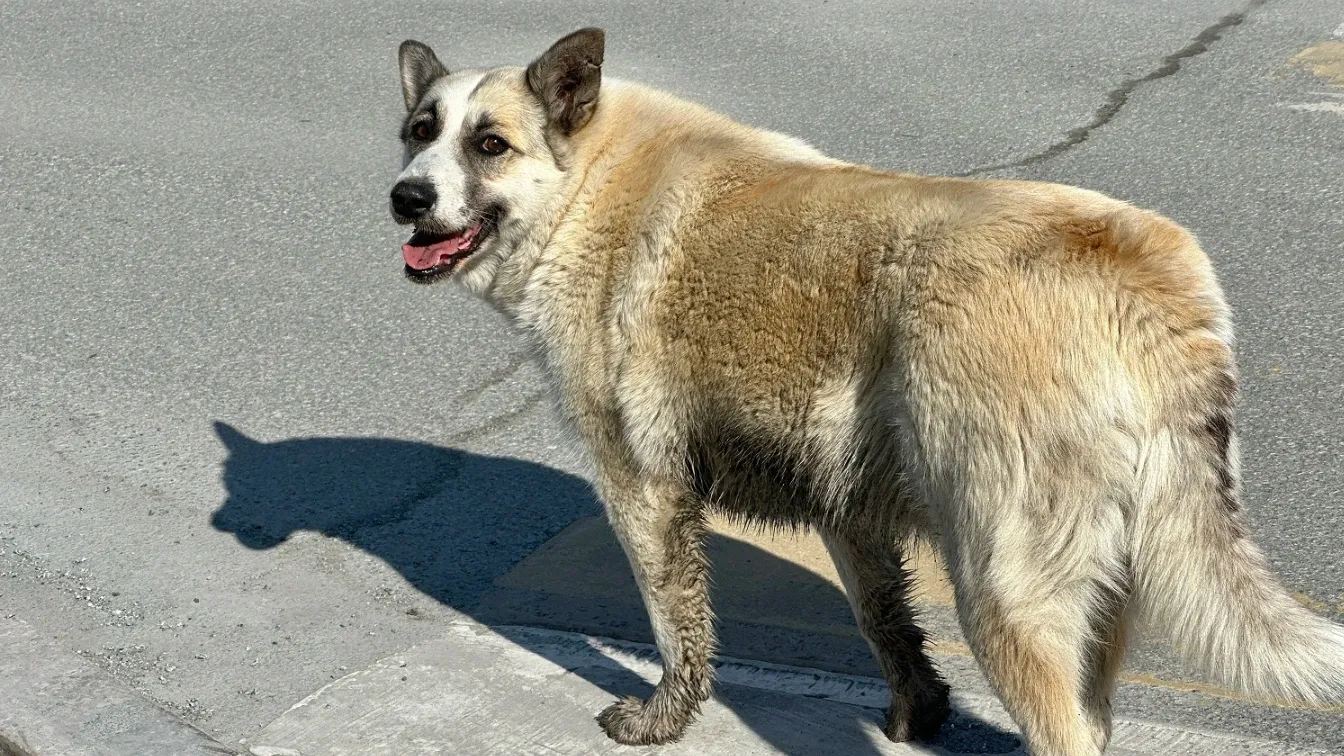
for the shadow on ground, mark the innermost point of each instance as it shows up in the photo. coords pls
(452, 522)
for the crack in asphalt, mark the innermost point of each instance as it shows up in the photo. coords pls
(495, 378)
(350, 530)
(403, 509)
(1118, 97)
(498, 422)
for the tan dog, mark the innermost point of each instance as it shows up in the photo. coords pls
(1037, 378)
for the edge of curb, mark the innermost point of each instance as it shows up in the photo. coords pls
(59, 704)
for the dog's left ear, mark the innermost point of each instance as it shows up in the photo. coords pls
(420, 67)
(566, 78)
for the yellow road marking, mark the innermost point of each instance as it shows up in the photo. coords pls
(1325, 61)
(954, 648)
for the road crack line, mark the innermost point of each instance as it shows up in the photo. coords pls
(497, 423)
(495, 378)
(1118, 97)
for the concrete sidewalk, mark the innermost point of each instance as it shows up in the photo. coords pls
(514, 690)
(779, 600)
(795, 677)
(53, 703)
(504, 685)
(510, 689)
(518, 690)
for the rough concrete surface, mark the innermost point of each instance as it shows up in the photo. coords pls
(475, 687)
(53, 703)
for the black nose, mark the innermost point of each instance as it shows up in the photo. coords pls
(412, 199)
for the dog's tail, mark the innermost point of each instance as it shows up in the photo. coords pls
(1199, 578)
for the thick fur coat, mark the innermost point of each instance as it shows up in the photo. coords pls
(1038, 379)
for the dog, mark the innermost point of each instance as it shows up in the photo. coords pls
(1038, 379)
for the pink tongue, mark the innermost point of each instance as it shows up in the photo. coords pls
(424, 258)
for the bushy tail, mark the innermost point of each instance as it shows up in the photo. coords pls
(1199, 578)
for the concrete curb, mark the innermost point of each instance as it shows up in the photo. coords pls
(57, 704)
(522, 690)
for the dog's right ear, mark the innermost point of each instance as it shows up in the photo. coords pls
(566, 79)
(420, 67)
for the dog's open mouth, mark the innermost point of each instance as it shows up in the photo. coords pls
(430, 254)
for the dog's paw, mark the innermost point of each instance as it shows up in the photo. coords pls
(632, 722)
(918, 717)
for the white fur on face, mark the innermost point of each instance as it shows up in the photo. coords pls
(441, 162)
(526, 185)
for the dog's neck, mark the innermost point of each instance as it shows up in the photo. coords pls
(634, 148)
(589, 159)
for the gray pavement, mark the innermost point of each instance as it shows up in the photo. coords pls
(57, 704)
(519, 690)
(241, 458)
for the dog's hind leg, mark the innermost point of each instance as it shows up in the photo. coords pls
(661, 526)
(1035, 587)
(1106, 655)
(1035, 666)
(878, 586)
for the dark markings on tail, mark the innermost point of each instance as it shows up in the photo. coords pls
(1218, 427)
(1225, 391)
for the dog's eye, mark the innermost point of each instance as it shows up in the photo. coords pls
(422, 130)
(492, 145)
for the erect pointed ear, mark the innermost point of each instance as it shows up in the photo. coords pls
(566, 78)
(419, 68)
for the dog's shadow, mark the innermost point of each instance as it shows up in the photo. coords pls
(451, 522)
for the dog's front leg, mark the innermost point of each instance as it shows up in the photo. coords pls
(662, 527)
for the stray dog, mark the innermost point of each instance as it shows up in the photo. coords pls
(1036, 378)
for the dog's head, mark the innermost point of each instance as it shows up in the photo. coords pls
(486, 152)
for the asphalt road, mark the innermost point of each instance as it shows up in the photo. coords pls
(240, 455)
